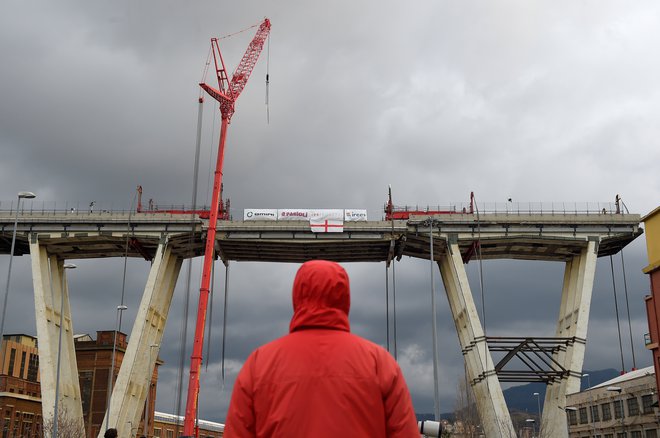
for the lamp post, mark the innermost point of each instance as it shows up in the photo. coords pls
(59, 347)
(591, 403)
(531, 420)
(538, 404)
(146, 404)
(619, 391)
(21, 195)
(120, 309)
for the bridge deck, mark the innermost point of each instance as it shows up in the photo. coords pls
(514, 236)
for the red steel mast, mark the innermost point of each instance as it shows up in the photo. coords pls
(226, 94)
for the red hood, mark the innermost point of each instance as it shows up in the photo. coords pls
(321, 297)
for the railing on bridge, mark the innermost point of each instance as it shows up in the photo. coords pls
(511, 208)
(52, 208)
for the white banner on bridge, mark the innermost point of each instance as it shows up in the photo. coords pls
(355, 215)
(292, 214)
(304, 214)
(259, 214)
(327, 214)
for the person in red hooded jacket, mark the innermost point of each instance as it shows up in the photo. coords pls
(320, 380)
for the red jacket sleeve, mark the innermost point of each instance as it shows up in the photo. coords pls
(240, 417)
(399, 411)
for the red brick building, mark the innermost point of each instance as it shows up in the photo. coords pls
(94, 362)
(20, 392)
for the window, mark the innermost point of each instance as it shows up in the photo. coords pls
(156, 432)
(572, 417)
(633, 406)
(651, 433)
(12, 359)
(594, 414)
(621, 435)
(618, 409)
(607, 413)
(33, 367)
(583, 415)
(23, 357)
(608, 435)
(647, 401)
(635, 434)
(85, 379)
(170, 434)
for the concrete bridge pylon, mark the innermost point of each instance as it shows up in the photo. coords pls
(572, 322)
(130, 390)
(131, 386)
(488, 393)
(48, 277)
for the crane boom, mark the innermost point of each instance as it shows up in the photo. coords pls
(226, 95)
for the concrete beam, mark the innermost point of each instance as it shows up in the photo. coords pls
(479, 363)
(48, 276)
(572, 322)
(130, 390)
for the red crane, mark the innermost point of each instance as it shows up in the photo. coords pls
(226, 94)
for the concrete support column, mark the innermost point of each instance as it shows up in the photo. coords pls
(479, 363)
(47, 276)
(130, 390)
(572, 323)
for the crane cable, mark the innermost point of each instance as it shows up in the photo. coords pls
(205, 71)
(436, 392)
(267, 79)
(224, 321)
(129, 233)
(229, 35)
(616, 309)
(387, 309)
(481, 282)
(625, 288)
(387, 306)
(186, 306)
(394, 307)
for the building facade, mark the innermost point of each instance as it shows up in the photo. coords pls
(95, 360)
(652, 230)
(20, 392)
(171, 426)
(623, 407)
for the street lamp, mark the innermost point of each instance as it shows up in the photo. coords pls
(21, 195)
(538, 404)
(59, 346)
(591, 403)
(619, 391)
(120, 309)
(146, 404)
(531, 420)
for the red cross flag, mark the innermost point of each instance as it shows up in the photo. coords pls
(322, 225)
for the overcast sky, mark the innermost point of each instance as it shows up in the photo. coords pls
(534, 101)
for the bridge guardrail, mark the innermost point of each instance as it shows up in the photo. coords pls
(53, 209)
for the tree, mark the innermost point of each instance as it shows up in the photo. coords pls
(67, 427)
(467, 421)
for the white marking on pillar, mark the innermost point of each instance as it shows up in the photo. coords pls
(47, 274)
(572, 322)
(479, 363)
(130, 390)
